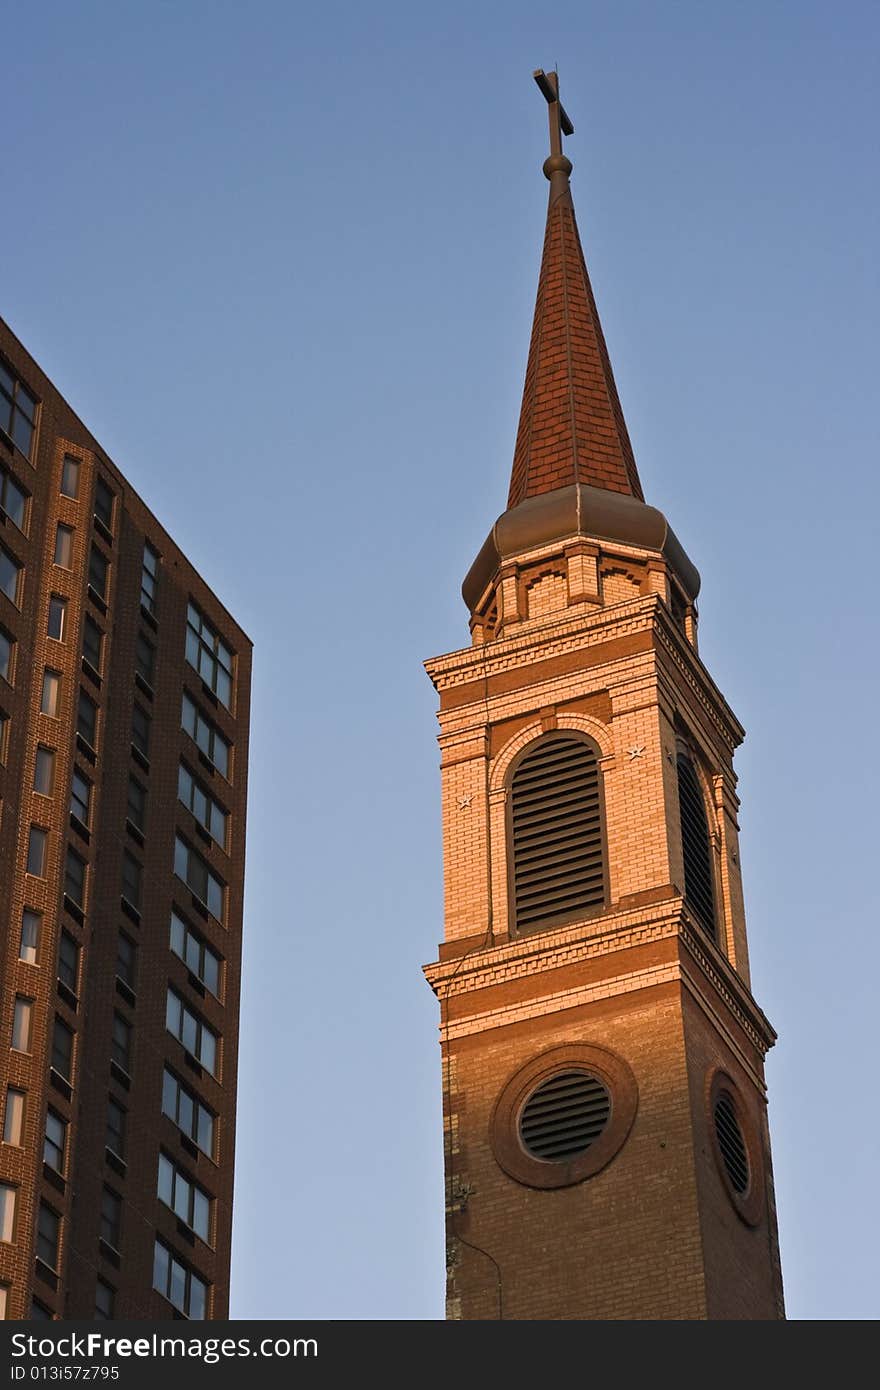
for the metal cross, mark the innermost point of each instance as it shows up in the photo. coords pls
(559, 122)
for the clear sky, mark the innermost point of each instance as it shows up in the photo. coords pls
(282, 259)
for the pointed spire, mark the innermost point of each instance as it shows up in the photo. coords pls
(571, 426)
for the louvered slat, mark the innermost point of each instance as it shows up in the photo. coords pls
(556, 832)
(564, 1116)
(731, 1143)
(695, 845)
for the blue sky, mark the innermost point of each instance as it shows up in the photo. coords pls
(282, 260)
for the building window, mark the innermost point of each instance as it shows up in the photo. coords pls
(120, 1043)
(137, 803)
(104, 500)
(105, 1300)
(70, 477)
(7, 652)
(206, 810)
(7, 1212)
(80, 797)
(29, 947)
(87, 719)
(4, 735)
(185, 1199)
(145, 659)
(209, 655)
(205, 736)
(56, 625)
(62, 1050)
(192, 1118)
(132, 875)
(44, 770)
(176, 1282)
(198, 1039)
(149, 578)
(126, 960)
(13, 1119)
(21, 1024)
(48, 1230)
(140, 730)
(36, 856)
(196, 954)
(13, 501)
(4, 1302)
(115, 1135)
(111, 1217)
(93, 640)
(98, 567)
(10, 575)
(40, 1313)
(68, 962)
(75, 878)
(50, 702)
(55, 1141)
(18, 410)
(64, 546)
(695, 845)
(195, 873)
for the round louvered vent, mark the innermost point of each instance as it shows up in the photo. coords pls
(731, 1143)
(564, 1116)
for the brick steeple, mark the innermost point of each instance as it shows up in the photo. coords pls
(571, 426)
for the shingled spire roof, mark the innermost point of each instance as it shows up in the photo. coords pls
(571, 426)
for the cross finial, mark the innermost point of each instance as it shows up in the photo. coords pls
(560, 125)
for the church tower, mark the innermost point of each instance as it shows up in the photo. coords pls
(605, 1119)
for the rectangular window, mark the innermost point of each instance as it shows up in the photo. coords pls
(205, 736)
(55, 1141)
(196, 953)
(10, 575)
(209, 655)
(64, 546)
(115, 1135)
(44, 770)
(7, 652)
(68, 962)
(4, 1302)
(187, 1113)
(62, 1049)
(75, 878)
(93, 640)
(132, 875)
(29, 947)
(13, 500)
(149, 578)
(104, 504)
(195, 873)
(137, 803)
(126, 960)
(48, 1230)
(18, 410)
(13, 1119)
(105, 1300)
(36, 857)
(50, 702)
(87, 719)
(56, 625)
(98, 567)
(198, 1039)
(21, 1024)
(120, 1043)
(80, 797)
(4, 735)
(140, 730)
(177, 1282)
(145, 659)
(111, 1217)
(70, 477)
(206, 810)
(7, 1211)
(185, 1198)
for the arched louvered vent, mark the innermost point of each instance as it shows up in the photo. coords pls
(731, 1143)
(556, 833)
(564, 1116)
(695, 844)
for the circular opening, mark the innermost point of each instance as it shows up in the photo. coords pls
(731, 1143)
(564, 1116)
